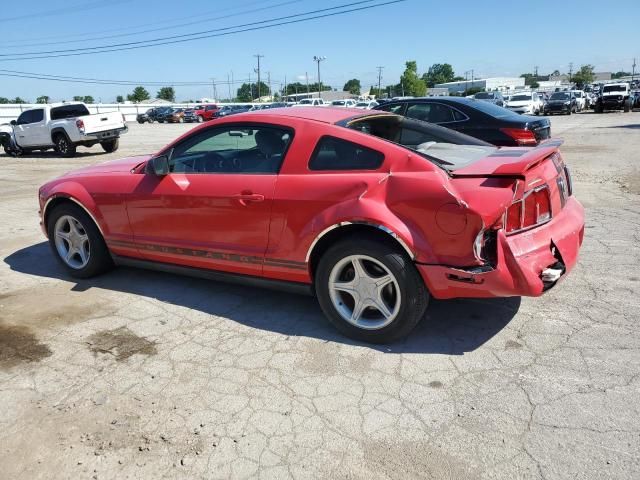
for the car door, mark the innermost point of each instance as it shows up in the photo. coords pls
(212, 210)
(31, 129)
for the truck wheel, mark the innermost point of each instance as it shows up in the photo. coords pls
(141, 122)
(627, 106)
(64, 147)
(76, 242)
(110, 146)
(370, 290)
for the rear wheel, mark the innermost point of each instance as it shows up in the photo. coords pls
(110, 145)
(370, 290)
(627, 106)
(63, 146)
(76, 241)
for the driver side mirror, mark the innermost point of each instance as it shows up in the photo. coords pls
(13, 122)
(158, 166)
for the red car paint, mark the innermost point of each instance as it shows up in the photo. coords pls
(268, 225)
(207, 112)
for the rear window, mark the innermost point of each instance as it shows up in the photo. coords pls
(484, 95)
(68, 111)
(493, 110)
(333, 153)
(614, 88)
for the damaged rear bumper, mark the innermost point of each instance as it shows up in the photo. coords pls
(527, 264)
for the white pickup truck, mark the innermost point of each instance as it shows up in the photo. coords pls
(62, 127)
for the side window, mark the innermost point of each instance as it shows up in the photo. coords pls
(458, 116)
(24, 118)
(336, 154)
(430, 112)
(419, 111)
(232, 149)
(37, 116)
(397, 108)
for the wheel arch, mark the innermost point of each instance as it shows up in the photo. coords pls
(347, 229)
(80, 200)
(59, 130)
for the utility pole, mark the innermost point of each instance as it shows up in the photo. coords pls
(234, 88)
(306, 74)
(269, 83)
(258, 56)
(570, 70)
(284, 92)
(213, 89)
(318, 59)
(229, 86)
(633, 69)
(379, 79)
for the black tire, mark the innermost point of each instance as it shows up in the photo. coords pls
(110, 146)
(99, 260)
(627, 106)
(63, 146)
(598, 108)
(141, 122)
(413, 292)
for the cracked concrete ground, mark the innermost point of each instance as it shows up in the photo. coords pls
(144, 375)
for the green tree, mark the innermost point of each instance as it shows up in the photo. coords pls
(119, 99)
(42, 99)
(18, 100)
(352, 86)
(438, 73)
(249, 92)
(584, 75)
(4, 100)
(167, 93)
(87, 99)
(621, 74)
(410, 83)
(139, 94)
(78, 98)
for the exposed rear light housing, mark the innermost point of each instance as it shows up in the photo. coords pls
(522, 136)
(533, 210)
(80, 125)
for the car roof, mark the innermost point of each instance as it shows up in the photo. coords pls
(324, 114)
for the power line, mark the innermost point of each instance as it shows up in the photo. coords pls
(198, 36)
(139, 32)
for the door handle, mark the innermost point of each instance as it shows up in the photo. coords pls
(244, 198)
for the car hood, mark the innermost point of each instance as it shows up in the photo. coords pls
(114, 166)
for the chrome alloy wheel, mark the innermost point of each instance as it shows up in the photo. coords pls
(364, 292)
(72, 242)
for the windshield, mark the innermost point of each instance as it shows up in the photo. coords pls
(446, 148)
(338, 102)
(614, 88)
(520, 98)
(560, 96)
(484, 95)
(306, 101)
(362, 104)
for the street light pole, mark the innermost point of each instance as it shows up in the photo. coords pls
(319, 59)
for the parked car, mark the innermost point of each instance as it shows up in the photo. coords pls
(149, 116)
(231, 110)
(561, 102)
(527, 102)
(311, 102)
(189, 115)
(348, 103)
(492, 97)
(581, 99)
(174, 115)
(303, 199)
(207, 112)
(62, 127)
(367, 105)
(477, 118)
(614, 96)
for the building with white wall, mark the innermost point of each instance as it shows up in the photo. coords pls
(503, 84)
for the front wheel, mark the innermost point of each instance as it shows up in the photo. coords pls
(200, 119)
(110, 145)
(76, 242)
(370, 291)
(627, 106)
(64, 147)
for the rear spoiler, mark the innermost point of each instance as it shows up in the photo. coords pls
(512, 162)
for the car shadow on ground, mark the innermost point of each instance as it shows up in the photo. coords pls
(52, 154)
(632, 126)
(451, 327)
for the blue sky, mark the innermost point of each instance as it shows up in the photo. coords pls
(490, 37)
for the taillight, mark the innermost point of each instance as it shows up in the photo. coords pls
(80, 125)
(532, 210)
(521, 135)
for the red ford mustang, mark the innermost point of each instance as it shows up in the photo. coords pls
(370, 211)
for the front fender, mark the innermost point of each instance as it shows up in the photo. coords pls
(78, 194)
